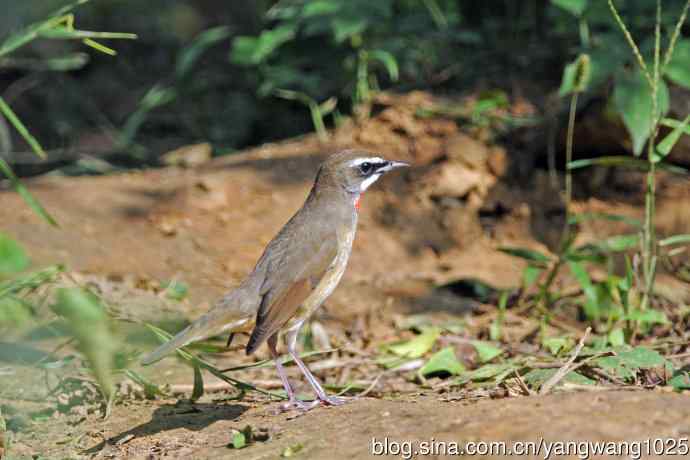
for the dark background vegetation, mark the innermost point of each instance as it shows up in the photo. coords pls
(145, 101)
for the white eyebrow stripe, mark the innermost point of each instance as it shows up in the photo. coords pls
(359, 161)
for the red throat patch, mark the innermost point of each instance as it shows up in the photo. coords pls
(357, 203)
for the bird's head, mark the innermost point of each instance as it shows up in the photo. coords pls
(355, 171)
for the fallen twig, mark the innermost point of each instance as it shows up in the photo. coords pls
(567, 367)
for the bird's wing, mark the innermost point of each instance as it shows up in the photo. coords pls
(289, 282)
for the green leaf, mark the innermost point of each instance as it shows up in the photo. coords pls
(537, 377)
(671, 123)
(191, 53)
(388, 61)
(680, 381)
(486, 351)
(675, 239)
(633, 100)
(678, 70)
(574, 7)
(591, 306)
(664, 147)
(239, 440)
(530, 275)
(556, 344)
(575, 76)
(527, 254)
(617, 337)
(24, 193)
(626, 363)
(13, 258)
(486, 372)
(198, 390)
(346, 26)
(320, 7)
(617, 243)
(13, 312)
(89, 324)
(175, 290)
(443, 361)
(250, 51)
(624, 161)
(417, 346)
(648, 316)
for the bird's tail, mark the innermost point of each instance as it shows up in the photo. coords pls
(220, 319)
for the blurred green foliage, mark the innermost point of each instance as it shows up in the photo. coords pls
(247, 72)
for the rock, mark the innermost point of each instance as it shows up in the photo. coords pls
(452, 180)
(497, 161)
(464, 149)
(427, 150)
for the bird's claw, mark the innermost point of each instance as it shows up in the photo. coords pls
(333, 400)
(299, 405)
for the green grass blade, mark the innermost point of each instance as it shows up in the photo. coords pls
(24, 193)
(625, 161)
(664, 147)
(675, 239)
(21, 129)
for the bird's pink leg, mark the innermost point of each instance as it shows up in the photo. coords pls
(318, 389)
(292, 399)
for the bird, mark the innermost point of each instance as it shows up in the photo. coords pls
(298, 270)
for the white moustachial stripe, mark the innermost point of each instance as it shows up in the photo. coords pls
(366, 183)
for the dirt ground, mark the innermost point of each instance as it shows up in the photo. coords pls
(206, 226)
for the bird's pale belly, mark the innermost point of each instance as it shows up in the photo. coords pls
(328, 283)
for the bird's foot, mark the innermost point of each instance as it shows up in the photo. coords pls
(333, 400)
(299, 405)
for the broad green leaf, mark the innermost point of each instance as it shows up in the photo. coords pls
(675, 239)
(617, 337)
(13, 258)
(648, 316)
(388, 61)
(24, 193)
(239, 440)
(198, 390)
(664, 147)
(618, 243)
(486, 372)
(556, 344)
(191, 53)
(633, 100)
(527, 254)
(678, 70)
(443, 361)
(320, 7)
(486, 350)
(626, 363)
(417, 346)
(537, 377)
(89, 324)
(680, 381)
(574, 7)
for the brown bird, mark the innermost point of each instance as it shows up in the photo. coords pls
(297, 271)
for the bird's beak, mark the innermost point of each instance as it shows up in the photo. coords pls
(391, 165)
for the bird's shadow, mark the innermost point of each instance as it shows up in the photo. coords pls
(183, 414)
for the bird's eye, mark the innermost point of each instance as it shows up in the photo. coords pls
(365, 167)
